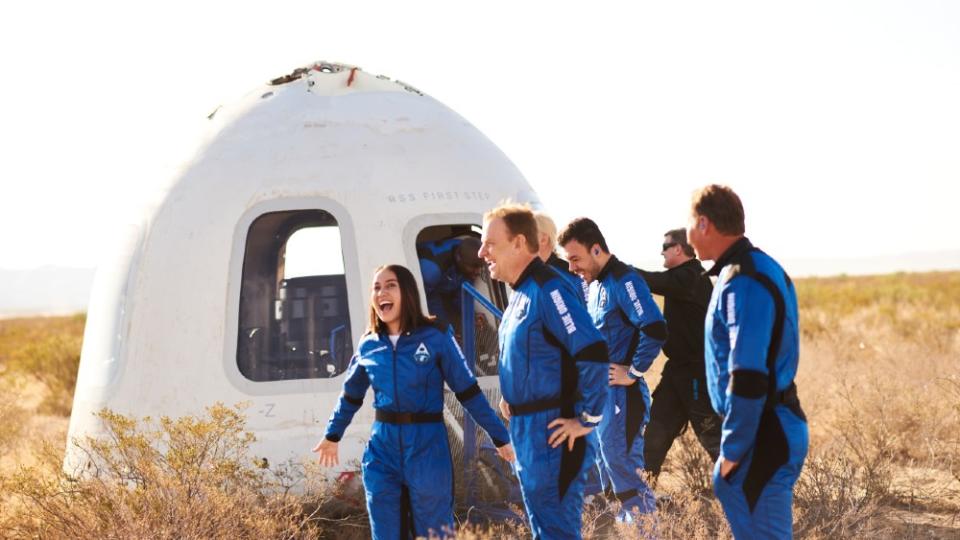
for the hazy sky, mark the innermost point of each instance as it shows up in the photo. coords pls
(838, 122)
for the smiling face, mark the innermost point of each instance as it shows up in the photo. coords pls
(582, 261)
(386, 299)
(506, 257)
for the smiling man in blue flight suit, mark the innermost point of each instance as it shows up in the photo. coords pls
(553, 366)
(752, 353)
(625, 313)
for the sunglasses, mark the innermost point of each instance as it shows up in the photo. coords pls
(668, 246)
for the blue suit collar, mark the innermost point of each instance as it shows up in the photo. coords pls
(612, 263)
(535, 264)
(734, 252)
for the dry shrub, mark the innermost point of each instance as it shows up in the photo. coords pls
(687, 507)
(15, 334)
(53, 361)
(831, 499)
(13, 418)
(188, 478)
(952, 389)
(870, 441)
(512, 529)
(880, 380)
(47, 350)
(693, 464)
(681, 516)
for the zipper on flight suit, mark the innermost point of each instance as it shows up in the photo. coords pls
(396, 397)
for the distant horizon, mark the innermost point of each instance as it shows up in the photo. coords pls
(929, 261)
(39, 292)
(909, 262)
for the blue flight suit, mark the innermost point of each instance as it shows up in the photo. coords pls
(553, 364)
(752, 352)
(624, 312)
(442, 280)
(407, 468)
(563, 268)
(595, 476)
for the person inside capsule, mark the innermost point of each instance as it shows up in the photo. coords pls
(446, 265)
(406, 357)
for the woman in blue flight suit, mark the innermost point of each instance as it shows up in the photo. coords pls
(407, 468)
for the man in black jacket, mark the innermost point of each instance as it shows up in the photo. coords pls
(681, 396)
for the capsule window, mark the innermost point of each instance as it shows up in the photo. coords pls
(447, 257)
(294, 313)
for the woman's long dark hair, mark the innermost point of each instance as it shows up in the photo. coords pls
(411, 313)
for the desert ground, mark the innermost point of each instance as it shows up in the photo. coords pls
(879, 380)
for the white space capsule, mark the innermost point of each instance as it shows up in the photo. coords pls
(249, 281)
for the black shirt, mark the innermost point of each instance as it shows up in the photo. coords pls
(686, 294)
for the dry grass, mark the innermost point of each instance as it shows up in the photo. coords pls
(879, 380)
(186, 478)
(13, 418)
(46, 350)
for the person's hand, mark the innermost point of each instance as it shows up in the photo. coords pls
(727, 467)
(506, 452)
(328, 453)
(620, 376)
(504, 409)
(568, 429)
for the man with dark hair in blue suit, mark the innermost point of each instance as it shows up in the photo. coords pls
(623, 311)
